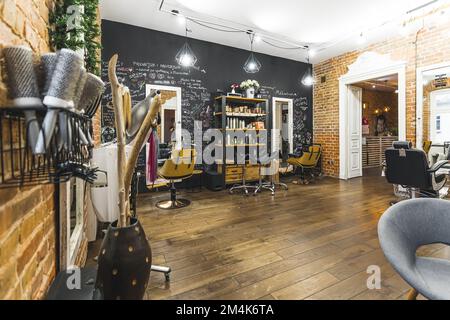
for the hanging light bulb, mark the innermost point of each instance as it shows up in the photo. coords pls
(185, 56)
(404, 29)
(308, 78)
(362, 38)
(252, 64)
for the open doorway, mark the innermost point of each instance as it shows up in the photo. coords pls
(282, 124)
(367, 67)
(379, 120)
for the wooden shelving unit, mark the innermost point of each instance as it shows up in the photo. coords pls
(232, 173)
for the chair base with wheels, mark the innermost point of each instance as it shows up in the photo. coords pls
(270, 185)
(243, 187)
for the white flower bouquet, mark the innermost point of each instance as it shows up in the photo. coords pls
(249, 84)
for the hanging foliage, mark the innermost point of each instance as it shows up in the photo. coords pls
(72, 28)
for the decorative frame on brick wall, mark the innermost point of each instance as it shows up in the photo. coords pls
(369, 65)
(419, 98)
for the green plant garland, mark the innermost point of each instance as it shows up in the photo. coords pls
(61, 38)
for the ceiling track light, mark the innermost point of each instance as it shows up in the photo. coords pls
(252, 64)
(181, 19)
(185, 56)
(229, 28)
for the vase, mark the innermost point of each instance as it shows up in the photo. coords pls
(250, 93)
(124, 263)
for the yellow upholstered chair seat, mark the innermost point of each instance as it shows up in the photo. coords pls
(307, 161)
(181, 165)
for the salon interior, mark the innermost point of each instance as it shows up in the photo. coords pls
(209, 150)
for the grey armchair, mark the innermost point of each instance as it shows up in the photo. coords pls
(409, 225)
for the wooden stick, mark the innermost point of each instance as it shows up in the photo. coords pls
(412, 294)
(146, 126)
(117, 100)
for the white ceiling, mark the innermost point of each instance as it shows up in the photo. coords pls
(329, 27)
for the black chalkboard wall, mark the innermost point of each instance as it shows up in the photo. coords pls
(148, 57)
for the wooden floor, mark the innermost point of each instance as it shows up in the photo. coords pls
(311, 242)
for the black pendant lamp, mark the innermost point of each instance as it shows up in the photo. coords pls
(185, 56)
(252, 65)
(308, 78)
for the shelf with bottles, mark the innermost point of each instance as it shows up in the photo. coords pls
(243, 122)
(233, 123)
(241, 115)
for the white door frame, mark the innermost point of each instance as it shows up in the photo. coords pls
(290, 103)
(369, 65)
(419, 98)
(178, 124)
(355, 133)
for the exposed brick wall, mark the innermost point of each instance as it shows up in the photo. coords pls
(378, 100)
(27, 215)
(433, 46)
(27, 225)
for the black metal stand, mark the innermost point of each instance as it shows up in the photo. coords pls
(21, 166)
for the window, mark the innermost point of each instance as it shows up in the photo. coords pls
(440, 116)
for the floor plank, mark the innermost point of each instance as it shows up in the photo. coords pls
(310, 242)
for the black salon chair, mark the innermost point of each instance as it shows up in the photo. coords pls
(408, 167)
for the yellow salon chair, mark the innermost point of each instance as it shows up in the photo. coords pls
(180, 166)
(427, 146)
(307, 163)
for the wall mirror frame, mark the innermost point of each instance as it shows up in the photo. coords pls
(420, 82)
(176, 107)
(290, 121)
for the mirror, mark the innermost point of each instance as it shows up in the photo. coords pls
(433, 109)
(282, 124)
(170, 113)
